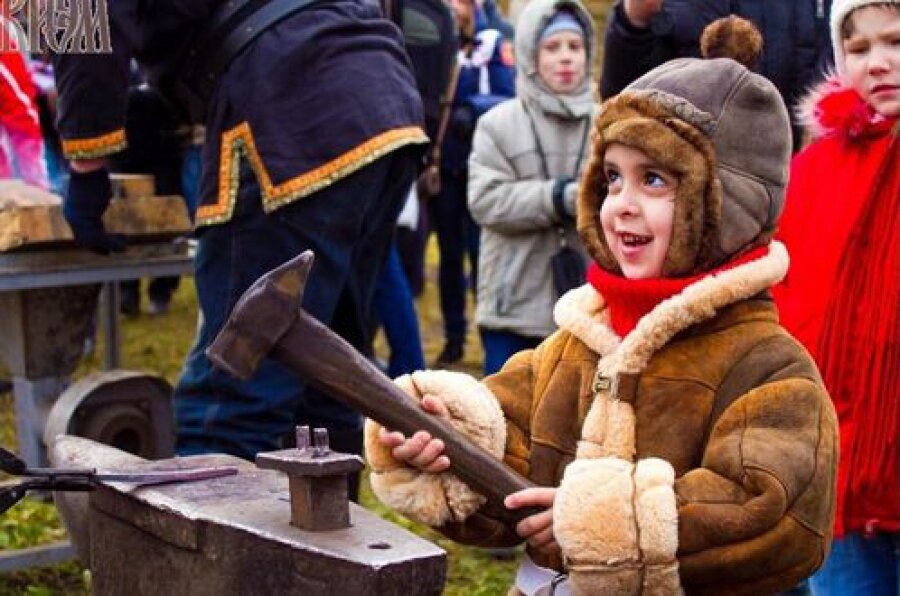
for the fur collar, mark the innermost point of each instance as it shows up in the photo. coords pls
(833, 109)
(582, 311)
(609, 426)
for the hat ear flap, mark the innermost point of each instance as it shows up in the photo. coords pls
(698, 201)
(591, 194)
(712, 226)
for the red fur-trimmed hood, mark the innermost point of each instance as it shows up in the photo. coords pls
(832, 108)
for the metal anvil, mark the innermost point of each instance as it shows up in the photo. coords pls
(231, 536)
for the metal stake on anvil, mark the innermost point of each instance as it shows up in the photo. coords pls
(317, 480)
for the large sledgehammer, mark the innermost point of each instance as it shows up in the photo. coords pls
(269, 322)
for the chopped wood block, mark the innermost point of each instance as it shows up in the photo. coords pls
(132, 186)
(30, 216)
(148, 216)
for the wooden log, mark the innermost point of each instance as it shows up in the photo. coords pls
(132, 186)
(30, 216)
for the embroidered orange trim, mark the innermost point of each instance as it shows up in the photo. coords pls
(239, 140)
(95, 146)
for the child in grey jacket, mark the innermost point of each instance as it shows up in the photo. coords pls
(526, 155)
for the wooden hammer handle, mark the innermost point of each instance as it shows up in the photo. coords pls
(327, 362)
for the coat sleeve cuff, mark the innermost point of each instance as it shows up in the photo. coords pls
(94, 147)
(435, 499)
(617, 525)
(657, 520)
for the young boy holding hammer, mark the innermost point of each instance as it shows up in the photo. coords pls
(679, 437)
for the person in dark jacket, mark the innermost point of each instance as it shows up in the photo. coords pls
(155, 148)
(313, 128)
(642, 34)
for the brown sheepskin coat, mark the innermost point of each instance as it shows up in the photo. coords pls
(697, 454)
(732, 402)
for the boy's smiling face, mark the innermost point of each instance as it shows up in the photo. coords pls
(871, 40)
(638, 211)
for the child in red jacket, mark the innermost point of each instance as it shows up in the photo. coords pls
(21, 144)
(841, 295)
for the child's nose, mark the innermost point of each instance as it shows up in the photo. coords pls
(879, 61)
(627, 204)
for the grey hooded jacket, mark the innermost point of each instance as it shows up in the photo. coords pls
(510, 194)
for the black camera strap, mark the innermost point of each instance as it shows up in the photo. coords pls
(229, 30)
(239, 35)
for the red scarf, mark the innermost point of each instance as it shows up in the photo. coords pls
(630, 299)
(842, 295)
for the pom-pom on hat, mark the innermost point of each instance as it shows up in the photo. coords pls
(732, 37)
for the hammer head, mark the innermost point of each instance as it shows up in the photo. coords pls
(263, 314)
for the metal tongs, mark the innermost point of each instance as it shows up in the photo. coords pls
(85, 479)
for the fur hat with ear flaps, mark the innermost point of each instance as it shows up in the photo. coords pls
(725, 132)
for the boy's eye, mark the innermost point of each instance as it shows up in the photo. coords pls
(654, 180)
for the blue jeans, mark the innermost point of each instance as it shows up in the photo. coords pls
(457, 234)
(860, 565)
(191, 174)
(499, 346)
(396, 312)
(348, 225)
(57, 167)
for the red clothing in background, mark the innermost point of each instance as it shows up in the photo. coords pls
(840, 299)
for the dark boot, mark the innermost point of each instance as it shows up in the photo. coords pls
(130, 298)
(451, 354)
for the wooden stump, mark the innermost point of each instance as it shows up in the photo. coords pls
(30, 216)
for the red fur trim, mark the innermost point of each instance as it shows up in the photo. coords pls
(834, 109)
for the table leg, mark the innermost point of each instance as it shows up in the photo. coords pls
(110, 313)
(34, 399)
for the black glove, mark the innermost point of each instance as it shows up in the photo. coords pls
(86, 200)
(559, 198)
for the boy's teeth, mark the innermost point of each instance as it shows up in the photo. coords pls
(634, 239)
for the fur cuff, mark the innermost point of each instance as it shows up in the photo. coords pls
(435, 499)
(657, 519)
(616, 523)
